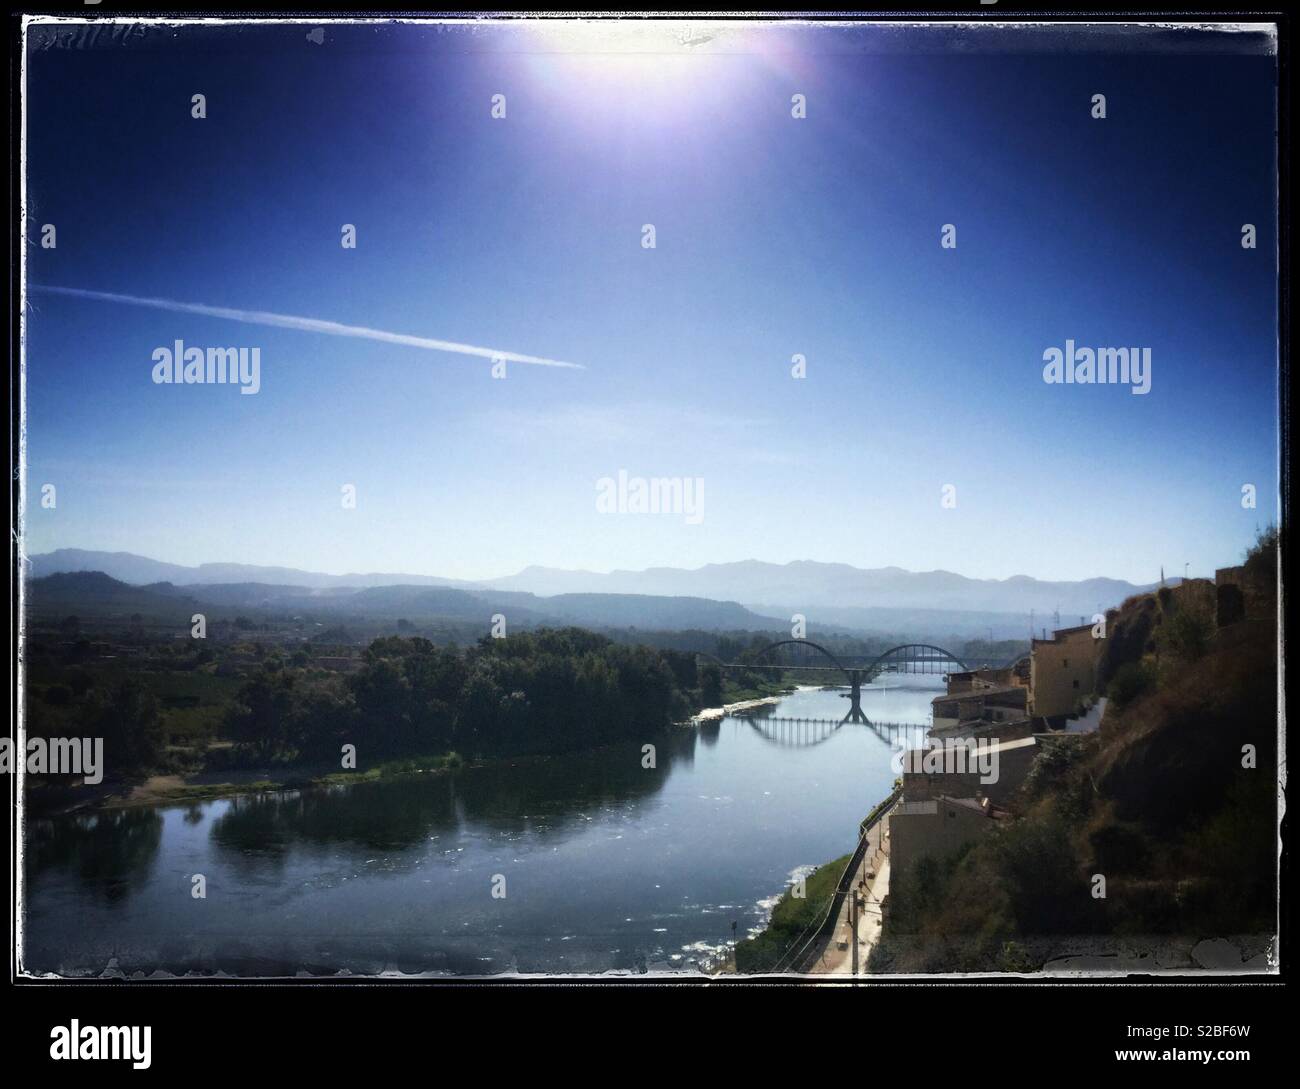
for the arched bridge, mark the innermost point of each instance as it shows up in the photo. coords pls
(904, 658)
(790, 732)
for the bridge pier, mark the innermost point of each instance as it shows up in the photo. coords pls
(855, 696)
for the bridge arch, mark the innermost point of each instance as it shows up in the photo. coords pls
(806, 643)
(791, 733)
(947, 654)
(780, 643)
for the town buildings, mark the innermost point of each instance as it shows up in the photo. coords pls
(1063, 671)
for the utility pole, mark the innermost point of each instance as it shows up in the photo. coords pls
(854, 905)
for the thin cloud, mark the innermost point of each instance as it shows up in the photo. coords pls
(310, 325)
(655, 427)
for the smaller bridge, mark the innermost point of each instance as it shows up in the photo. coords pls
(790, 732)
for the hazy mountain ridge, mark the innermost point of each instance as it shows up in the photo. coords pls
(748, 587)
(70, 592)
(141, 570)
(809, 584)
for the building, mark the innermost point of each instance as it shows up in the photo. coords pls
(920, 785)
(1238, 596)
(1062, 671)
(1195, 594)
(980, 680)
(973, 710)
(942, 811)
(935, 827)
(1008, 760)
(979, 697)
(1014, 759)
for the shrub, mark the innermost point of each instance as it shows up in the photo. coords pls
(1129, 636)
(1186, 634)
(1261, 557)
(1131, 680)
(1120, 848)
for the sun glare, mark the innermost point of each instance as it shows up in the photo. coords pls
(650, 71)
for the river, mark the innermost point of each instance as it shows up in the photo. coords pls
(584, 863)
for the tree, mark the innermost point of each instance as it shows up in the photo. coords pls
(262, 716)
(324, 719)
(711, 684)
(480, 707)
(383, 698)
(128, 721)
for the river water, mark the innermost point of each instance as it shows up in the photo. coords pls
(604, 865)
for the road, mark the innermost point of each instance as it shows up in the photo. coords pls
(872, 880)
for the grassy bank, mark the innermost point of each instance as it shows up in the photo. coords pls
(793, 920)
(45, 798)
(737, 693)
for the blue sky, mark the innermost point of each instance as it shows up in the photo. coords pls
(775, 236)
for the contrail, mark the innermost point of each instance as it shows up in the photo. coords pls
(309, 325)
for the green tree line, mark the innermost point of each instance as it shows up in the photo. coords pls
(551, 690)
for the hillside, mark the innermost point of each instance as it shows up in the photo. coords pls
(96, 593)
(93, 593)
(1174, 803)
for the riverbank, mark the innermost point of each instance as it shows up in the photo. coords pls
(712, 714)
(182, 788)
(205, 785)
(793, 919)
(794, 922)
(872, 883)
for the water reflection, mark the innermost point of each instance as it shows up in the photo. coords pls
(398, 814)
(609, 864)
(111, 853)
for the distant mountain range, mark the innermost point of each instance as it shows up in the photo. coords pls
(806, 584)
(840, 593)
(94, 593)
(140, 571)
